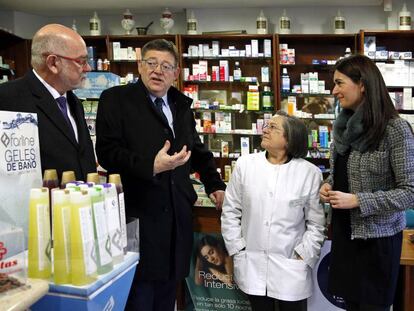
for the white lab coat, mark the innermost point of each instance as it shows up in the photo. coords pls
(273, 212)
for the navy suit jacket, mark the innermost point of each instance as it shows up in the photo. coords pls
(130, 132)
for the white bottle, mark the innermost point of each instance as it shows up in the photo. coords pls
(237, 72)
(285, 81)
(261, 24)
(404, 18)
(347, 52)
(99, 65)
(284, 24)
(339, 24)
(192, 24)
(95, 25)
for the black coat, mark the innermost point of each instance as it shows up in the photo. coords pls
(58, 147)
(130, 132)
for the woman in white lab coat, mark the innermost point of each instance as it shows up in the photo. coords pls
(272, 222)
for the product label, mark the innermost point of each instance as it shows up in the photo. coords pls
(112, 216)
(267, 102)
(122, 219)
(340, 24)
(285, 24)
(93, 26)
(66, 235)
(261, 25)
(102, 234)
(43, 235)
(405, 20)
(86, 226)
(192, 26)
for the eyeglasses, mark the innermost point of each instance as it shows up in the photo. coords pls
(153, 64)
(81, 61)
(270, 127)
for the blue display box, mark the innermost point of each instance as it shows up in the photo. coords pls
(109, 292)
(96, 83)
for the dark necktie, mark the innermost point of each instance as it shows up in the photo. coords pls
(62, 103)
(158, 104)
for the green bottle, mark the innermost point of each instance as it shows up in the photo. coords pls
(267, 99)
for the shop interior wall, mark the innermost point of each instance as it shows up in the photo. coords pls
(310, 19)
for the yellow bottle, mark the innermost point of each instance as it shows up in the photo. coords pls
(39, 234)
(83, 254)
(61, 236)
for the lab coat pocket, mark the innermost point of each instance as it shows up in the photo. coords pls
(240, 268)
(291, 276)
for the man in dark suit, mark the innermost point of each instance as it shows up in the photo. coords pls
(59, 61)
(146, 132)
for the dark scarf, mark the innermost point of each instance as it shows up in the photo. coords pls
(348, 131)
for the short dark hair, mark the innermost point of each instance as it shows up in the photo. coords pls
(377, 107)
(161, 45)
(296, 135)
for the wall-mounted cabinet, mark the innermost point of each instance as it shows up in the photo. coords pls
(232, 81)
(15, 53)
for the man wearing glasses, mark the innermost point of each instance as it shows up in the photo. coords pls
(146, 132)
(59, 61)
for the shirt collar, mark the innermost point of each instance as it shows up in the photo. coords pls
(50, 88)
(164, 98)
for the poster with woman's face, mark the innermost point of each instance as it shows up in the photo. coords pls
(210, 282)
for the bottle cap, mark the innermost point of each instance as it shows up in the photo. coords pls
(50, 174)
(93, 177)
(115, 179)
(68, 176)
(284, 71)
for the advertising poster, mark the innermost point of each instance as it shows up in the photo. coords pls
(321, 299)
(19, 166)
(210, 281)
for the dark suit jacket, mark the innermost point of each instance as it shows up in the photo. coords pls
(130, 132)
(58, 147)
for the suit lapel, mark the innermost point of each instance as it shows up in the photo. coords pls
(46, 103)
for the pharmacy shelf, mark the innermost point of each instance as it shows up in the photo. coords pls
(232, 111)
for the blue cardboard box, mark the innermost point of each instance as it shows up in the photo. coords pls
(96, 83)
(108, 293)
